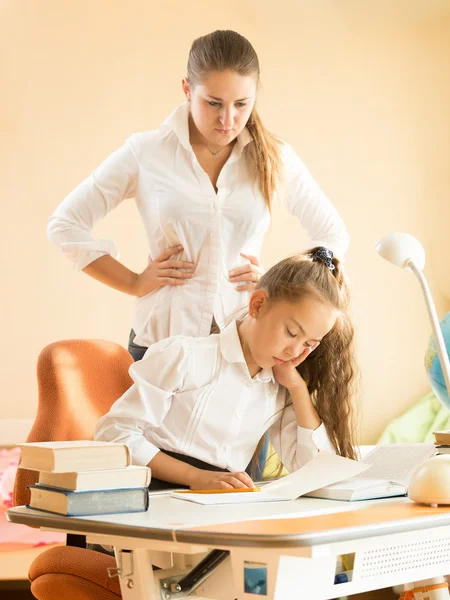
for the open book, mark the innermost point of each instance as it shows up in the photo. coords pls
(389, 473)
(325, 468)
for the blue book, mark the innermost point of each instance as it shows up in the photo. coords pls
(86, 503)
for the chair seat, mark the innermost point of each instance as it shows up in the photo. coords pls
(81, 573)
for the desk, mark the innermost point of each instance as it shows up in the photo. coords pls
(394, 541)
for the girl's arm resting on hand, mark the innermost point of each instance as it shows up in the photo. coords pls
(305, 413)
(297, 444)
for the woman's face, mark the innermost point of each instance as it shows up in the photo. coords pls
(220, 105)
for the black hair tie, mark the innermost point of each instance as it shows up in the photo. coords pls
(324, 256)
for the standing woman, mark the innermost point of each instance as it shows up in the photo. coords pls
(204, 184)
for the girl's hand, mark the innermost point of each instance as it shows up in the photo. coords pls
(286, 373)
(212, 480)
(249, 273)
(163, 271)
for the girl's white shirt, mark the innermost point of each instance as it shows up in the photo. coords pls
(178, 205)
(195, 396)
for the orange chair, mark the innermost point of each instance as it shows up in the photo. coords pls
(78, 381)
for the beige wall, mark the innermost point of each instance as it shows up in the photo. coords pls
(360, 91)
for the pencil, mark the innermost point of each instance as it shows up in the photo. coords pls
(222, 491)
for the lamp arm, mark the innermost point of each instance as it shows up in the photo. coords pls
(440, 344)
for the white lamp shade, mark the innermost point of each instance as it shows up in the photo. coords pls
(399, 248)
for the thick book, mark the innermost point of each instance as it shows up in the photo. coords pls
(442, 436)
(323, 469)
(389, 473)
(63, 457)
(360, 489)
(128, 477)
(87, 503)
(442, 448)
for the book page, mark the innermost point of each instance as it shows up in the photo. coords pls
(230, 498)
(396, 462)
(358, 483)
(324, 469)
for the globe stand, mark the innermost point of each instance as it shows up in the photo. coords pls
(438, 337)
(430, 482)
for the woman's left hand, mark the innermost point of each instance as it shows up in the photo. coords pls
(286, 373)
(249, 274)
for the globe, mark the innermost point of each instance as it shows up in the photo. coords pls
(433, 365)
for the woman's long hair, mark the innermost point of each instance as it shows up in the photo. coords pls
(329, 371)
(228, 50)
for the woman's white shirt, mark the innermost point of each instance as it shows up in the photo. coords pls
(195, 396)
(178, 205)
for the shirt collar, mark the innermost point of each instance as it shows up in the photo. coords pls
(244, 138)
(178, 122)
(231, 349)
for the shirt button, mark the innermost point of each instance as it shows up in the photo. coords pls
(248, 383)
(225, 448)
(237, 415)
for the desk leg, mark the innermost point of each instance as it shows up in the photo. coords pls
(427, 589)
(136, 574)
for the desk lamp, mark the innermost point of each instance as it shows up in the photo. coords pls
(430, 482)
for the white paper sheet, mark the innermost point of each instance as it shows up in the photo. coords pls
(325, 468)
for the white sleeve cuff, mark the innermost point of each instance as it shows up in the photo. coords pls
(142, 451)
(83, 253)
(313, 440)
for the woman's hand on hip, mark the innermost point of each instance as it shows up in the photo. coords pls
(213, 480)
(248, 274)
(163, 271)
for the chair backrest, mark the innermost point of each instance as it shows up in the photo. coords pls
(78, 381)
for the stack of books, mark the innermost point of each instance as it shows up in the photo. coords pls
(82, 478)
(442, 441)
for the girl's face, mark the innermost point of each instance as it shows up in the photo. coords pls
(282, 330)
(221, 105)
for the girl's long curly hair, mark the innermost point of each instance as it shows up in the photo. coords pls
(330, 370)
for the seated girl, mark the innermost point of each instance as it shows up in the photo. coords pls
(199, 407)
